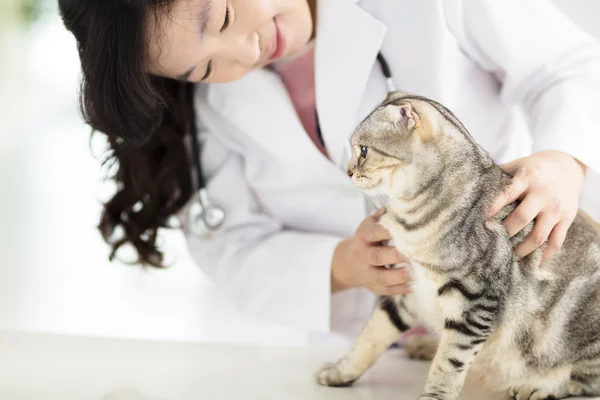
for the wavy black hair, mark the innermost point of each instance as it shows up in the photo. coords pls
(145, 118)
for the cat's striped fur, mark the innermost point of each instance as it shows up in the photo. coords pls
(531, 328)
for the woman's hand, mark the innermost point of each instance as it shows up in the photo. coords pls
(549, 184)
(360, 261)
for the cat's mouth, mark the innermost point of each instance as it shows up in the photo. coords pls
(365, 182)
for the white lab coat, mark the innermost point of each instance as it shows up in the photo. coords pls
(519, 74)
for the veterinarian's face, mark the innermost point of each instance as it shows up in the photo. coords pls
(222, 40)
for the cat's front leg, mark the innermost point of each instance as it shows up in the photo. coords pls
(387, 323)
(460, 342)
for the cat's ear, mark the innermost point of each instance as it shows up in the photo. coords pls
(403, 114)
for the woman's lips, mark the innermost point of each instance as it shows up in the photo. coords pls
(279, 42)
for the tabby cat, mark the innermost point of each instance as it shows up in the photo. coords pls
(531, 328)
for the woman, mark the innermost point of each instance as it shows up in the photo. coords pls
(301, 245)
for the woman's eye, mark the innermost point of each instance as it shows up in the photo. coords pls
(363, 151)
(208, 71)
(226, 22)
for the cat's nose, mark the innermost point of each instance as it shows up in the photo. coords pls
(350, 173)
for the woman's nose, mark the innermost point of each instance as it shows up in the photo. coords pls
(245, 50)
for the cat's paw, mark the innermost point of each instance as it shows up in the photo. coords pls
(530, 393)
(428, 398)
(421, 347)
(335, 376)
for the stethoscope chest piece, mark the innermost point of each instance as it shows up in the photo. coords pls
(204, 217)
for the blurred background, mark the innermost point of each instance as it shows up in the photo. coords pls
(54, 272)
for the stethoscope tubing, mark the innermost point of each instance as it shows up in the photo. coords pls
(211, 215)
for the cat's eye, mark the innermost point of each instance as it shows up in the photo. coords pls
(364, 150)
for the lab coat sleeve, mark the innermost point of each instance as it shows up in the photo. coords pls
(269, 272)
(543, 62)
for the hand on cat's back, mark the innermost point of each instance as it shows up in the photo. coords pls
(360, 261)
(549, 184)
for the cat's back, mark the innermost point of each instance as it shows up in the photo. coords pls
(559, 319)
(580, 253)
(568, 319)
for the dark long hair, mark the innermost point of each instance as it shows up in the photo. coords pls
(146, 119)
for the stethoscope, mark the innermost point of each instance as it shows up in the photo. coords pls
(203, 216)
(207, 217)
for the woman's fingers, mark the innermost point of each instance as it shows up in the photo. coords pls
(556, 239)
(379, 212)
(395, 290)
(511, 193)
(526, 212)
(383, 255)
(386, 277)
(512, 167)
(372, 231)
(538, 236)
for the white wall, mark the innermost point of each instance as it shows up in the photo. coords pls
(54, 276)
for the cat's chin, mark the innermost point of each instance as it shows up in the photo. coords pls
(369, 187)
(374, 190)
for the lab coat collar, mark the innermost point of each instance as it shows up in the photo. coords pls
(346, 47)
(348, 40)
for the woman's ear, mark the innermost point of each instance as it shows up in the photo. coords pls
(404, 115)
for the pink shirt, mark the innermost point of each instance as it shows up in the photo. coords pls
(298, 76)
